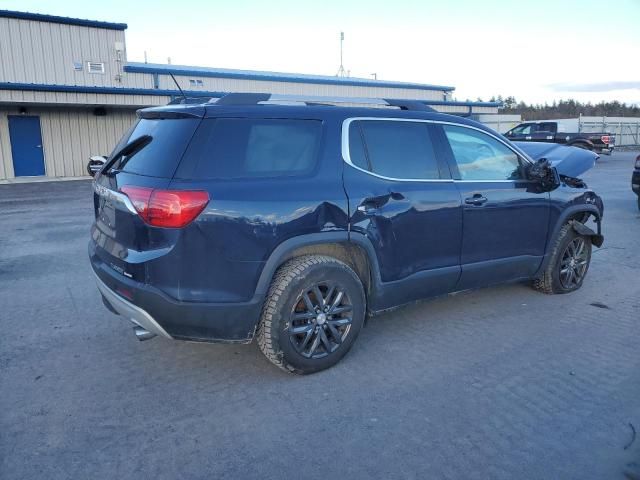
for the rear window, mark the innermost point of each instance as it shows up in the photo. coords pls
(227, 148)
(159, 158)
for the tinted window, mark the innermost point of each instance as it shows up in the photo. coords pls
(240, 148)
(159, 158)
(399, 149)
(522, 130)
(356, 148)
(480, 156)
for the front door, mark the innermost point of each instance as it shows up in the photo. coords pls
(26, 146)
(402, 198)
(505, 215)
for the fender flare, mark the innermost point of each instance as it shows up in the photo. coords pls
(596, 237)
(585, 141)
(281, 251)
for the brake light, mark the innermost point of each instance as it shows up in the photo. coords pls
(167, 208)
(605, 139)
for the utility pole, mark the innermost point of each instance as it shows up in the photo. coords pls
(341, 71)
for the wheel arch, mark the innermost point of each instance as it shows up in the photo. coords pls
(582, 141)
(577, 214)
(355, 250)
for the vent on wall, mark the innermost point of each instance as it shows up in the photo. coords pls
(95, 67)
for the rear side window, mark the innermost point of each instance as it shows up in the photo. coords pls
(160, 157)
(402, 149)
(243, 148)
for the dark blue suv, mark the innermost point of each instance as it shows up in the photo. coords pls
(292, 222)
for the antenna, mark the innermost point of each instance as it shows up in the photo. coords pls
(341, 71)
(177, 85)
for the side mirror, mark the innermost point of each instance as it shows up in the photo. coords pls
(544, 174)
(95, 164)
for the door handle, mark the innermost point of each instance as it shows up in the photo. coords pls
(477, 199)
(372, 204)
(368, 206)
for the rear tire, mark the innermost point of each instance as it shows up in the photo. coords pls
(313, 313)
(568, 265)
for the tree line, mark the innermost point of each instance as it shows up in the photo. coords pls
(565, 109)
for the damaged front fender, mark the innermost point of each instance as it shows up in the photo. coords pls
(597, 239)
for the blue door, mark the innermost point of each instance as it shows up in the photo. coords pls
(26, 146)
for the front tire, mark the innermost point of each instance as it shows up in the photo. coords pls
(313, 313)
(568, 265)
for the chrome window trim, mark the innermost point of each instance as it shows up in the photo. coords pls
(346, 156)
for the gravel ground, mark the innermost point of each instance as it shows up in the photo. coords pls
(498, 383)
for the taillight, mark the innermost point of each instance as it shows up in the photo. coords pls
(167, 208)
(605, 139)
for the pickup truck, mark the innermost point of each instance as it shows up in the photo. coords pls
(552, 132)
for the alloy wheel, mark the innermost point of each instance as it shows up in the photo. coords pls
(320, 320)
(574, 263)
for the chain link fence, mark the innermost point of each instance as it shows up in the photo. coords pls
(627, 130)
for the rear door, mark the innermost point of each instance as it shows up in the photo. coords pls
(505, 215)
(402, 198)
(543, 132)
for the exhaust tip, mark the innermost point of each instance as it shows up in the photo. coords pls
(143, 334)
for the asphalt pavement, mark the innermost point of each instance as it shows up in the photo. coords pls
(499, 383)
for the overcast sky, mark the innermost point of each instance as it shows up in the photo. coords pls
(536, 50)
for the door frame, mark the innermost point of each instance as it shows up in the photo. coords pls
(11, 146)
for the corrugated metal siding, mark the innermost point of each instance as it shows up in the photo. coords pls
(71, 98)
(69, 138)
(292, 88)
(42, 52)
(6, 167)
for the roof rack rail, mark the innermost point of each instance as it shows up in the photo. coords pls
(259, 98)
(191, 100)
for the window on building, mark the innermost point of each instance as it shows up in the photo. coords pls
(195, 82)
(95, 67)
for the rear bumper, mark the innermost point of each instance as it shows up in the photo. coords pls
(156, 312)
(129, 310)
(604, 149)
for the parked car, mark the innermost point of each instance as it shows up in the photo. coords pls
(553, 133)
(635, 179)
(242, 218)
(570, 161)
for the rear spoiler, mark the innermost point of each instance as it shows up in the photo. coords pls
(172, 111)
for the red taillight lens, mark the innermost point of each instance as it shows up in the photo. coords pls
(167, 208)
(605, 139)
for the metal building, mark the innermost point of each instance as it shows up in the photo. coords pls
(68, 92)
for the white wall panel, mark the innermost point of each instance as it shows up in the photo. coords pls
(44, 52)
(69, 137)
